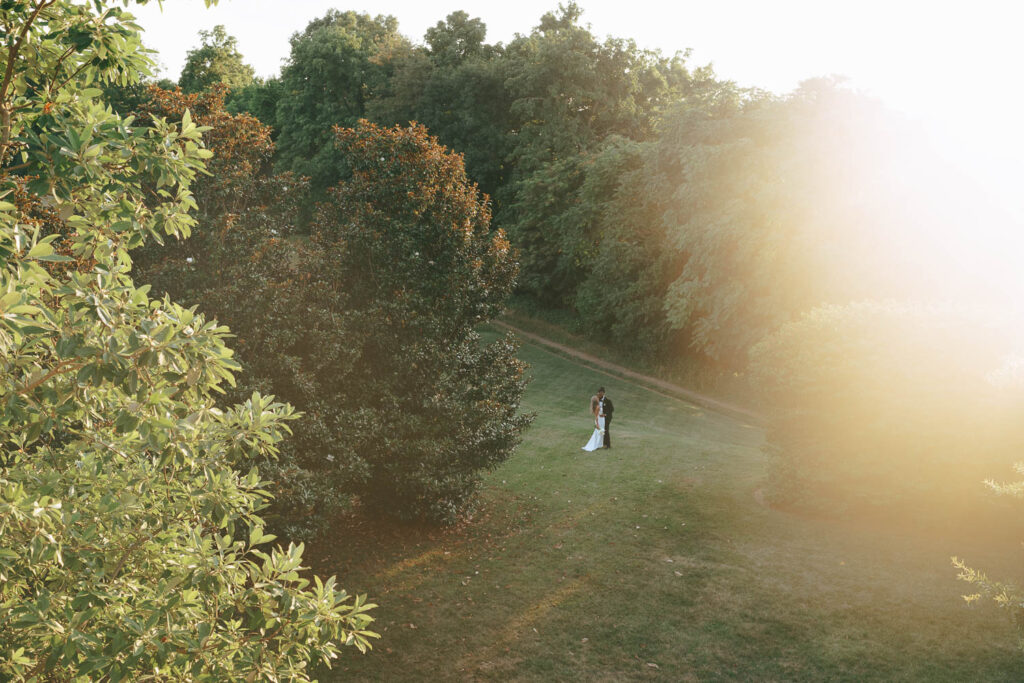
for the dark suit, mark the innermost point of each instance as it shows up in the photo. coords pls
(607, 407)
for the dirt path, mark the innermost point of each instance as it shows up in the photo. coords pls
(659, 386)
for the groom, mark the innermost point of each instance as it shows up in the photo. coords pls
(607, 408)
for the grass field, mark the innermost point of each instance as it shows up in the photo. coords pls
(656, 560)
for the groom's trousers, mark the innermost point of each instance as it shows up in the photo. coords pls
(607, 431)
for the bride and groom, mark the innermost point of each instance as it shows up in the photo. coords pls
(602, 408)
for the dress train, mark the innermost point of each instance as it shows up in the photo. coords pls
(597, 438)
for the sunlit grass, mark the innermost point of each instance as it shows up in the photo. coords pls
(656, 560)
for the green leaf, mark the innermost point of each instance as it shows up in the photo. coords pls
(55, 258)
(40, 250)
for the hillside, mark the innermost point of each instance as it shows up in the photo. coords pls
(656, 560)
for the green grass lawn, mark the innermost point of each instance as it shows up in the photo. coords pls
(655, 560)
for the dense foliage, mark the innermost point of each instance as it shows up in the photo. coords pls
(732, 219)
(239, 266)
(216, 61)
(337, 63)
(455, 86)
(130, 541)
(427, 406)
(570, 93)
(640, 192)
(367, 327)
(547, 97)
(543, 124)
(628, 261)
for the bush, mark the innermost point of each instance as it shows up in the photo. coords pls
(877, 405)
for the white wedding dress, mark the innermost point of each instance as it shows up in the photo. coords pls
(597, 439)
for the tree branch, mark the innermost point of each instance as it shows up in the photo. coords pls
(16, 48)
(124, 555)
(59, 370)
(12, 57)
(56, 67)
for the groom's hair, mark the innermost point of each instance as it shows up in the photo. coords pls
(600, 390)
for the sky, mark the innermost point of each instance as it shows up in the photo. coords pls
(951, 66)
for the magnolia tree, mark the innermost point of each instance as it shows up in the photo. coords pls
(368, 326)
(245, 266)
(429, 407)
(130, 541)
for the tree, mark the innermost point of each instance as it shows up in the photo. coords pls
(428, 406)
(245, 266)
(336, 65)
(628, 262)
(633, 257)
(456, 88)
(242, 152)
(558, 257)
(571, 92)
(216, 60)
(788, 203)
(259, 98)
(129, 529)
(457, 39)
(312, 329)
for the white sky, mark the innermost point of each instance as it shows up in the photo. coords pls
(954, 66)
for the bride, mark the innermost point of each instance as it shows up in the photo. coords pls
(597, 438)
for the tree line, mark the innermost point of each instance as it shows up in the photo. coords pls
(800, 242)
(665, 208)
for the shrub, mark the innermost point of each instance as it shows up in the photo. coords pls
(876, 404)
